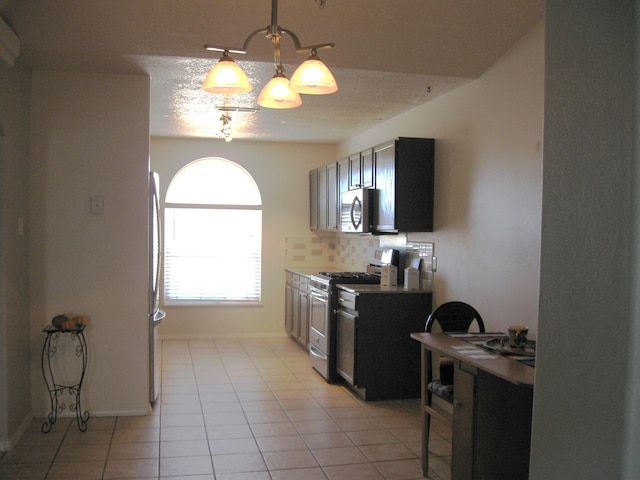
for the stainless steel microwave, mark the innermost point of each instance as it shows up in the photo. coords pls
(356, 211)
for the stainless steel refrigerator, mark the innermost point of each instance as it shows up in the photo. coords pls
(156, 315)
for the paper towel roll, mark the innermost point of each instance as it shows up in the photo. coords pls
(411, 278)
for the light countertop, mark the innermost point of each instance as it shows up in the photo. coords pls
(307, 271)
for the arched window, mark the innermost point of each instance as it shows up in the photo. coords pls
(213, 235)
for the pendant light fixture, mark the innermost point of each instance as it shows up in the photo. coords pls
(225, 127)
(226, 77)
(312, 77)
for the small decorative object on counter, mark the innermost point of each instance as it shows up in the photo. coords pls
(411, 278)
(389, 276)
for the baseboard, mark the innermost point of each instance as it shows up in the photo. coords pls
(221, 336)
(12, 442)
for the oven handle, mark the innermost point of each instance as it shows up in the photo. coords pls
(316, 353)
(316, 292)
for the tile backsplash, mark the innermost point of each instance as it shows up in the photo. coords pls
(352, 253)
(348, 253)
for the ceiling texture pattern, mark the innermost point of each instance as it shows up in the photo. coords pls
(389, 56)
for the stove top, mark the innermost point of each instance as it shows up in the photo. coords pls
(351, 277)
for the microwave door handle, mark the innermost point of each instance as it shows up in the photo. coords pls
(354, 222)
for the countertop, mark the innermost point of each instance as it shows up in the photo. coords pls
(308, 271)
(499, 365)
(367, 288)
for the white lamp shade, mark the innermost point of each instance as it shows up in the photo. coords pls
(226, 77)
(313, 77)
(277, 94)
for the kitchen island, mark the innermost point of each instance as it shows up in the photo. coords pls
(375, 354)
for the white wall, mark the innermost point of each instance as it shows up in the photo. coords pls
(587, 399)
(15, 387)
(488, 184)
(281, 171)
(89, 136)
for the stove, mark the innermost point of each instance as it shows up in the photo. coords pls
(322, 317)
(325, 281)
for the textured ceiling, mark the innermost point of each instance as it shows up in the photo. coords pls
(389, 56)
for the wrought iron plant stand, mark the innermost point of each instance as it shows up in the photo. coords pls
(56, 390)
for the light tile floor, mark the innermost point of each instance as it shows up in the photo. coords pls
(238, 410)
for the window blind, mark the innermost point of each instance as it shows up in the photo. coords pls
(212, 254)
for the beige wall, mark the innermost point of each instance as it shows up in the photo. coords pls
(281, 171)
(89, 136)
(488, 184)
(15, 387)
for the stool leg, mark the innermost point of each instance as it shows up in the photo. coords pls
(426, 400)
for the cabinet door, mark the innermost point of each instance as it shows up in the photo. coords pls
(463, 422)
(346, 346)
(296, 313)
(332, 196)
(288, 310)
(343, 176)
(385, 181)
(322, 199)
(303, 334)
(313, 199)
(354, 171)
(366, 168)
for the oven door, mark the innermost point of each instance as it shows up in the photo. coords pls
(319, 321)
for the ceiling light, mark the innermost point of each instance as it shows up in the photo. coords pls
(226, 77)
(225, 128)
(278, 94)
(312, 77)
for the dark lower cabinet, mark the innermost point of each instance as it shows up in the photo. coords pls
(375, 354)
(491, 426)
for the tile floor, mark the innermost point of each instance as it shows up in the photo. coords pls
(236, 410)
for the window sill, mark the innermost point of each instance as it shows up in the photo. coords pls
(212, 304)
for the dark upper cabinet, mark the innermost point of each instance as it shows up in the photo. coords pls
(323, 198)
(343, 176)
(361, 170)
(404, 181)
(402, 173)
